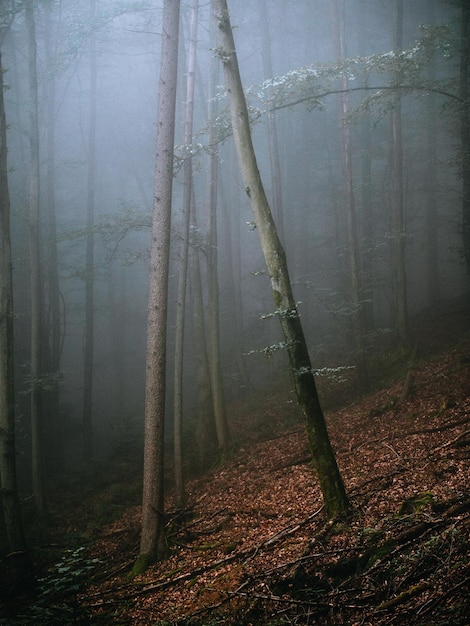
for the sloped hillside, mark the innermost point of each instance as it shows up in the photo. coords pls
(253, 546)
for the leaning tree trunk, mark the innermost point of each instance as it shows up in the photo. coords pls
(152, 541)
(331, 483)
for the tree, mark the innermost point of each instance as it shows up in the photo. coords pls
(464, 92)
(184, 251)
(8, 482)
(52, 268)
(432, 224)
(349, 204)
(206, 436)
(331, 483)
(152, 543)
(397, 197)
(90, 255)
(35, 271)
(274, 157)
(213, 335)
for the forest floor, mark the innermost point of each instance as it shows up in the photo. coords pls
(253, 546)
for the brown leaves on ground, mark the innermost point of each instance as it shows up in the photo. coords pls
(253, 546)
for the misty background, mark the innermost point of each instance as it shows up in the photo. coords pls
(98, 64)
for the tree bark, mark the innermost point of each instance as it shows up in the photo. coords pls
(432, 188)
(184, 251)
(465, 126)
(35, 272)
(87, 419)
(398, 201)
(274, 158)
(331, 483)
(355, 289)
(53, 289)
(8, 481)
(206, 435)
(152, 542)
(218, 394)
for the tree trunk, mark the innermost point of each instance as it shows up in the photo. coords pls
(334, 494)
(87, 419)
(218, 395)
(184, 250)
(350, 210)
(8, 482)
(432, 188)
(274, 159)
(35, 273)
(52, 277)
(152, 543)
(206, 435)
(398, 201)
(465, 126)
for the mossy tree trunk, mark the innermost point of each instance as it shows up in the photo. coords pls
(331, 483)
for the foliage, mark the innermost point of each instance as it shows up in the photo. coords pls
(268, 351)
(396, 73)
(55, 602)
(113, 229)
(80, 27)
(309, 85)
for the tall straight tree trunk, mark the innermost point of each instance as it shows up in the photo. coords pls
(184, 250)
(206, 435)
(432, 191)
(331, 483)
(152, 542)
(465, 125)
(52, 277)
(368, 269)
(233, 300)
(87, 420)
(35, 273)
(366, 212)
(218, 394)
(398, 201)
(350, 207)
(8, 483)
(274, 159)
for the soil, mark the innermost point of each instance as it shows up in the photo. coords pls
(253, 546)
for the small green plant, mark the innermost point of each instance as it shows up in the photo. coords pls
(55, 602)
(67, 575)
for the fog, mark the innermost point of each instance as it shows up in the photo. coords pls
(298, 120)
